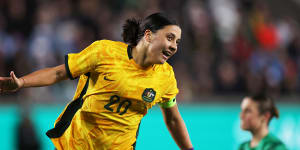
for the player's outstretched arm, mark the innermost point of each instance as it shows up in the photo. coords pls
(177, 127)
(43, 77)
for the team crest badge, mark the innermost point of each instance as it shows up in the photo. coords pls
(148, 95)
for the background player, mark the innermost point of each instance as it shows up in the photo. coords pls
(257, 112)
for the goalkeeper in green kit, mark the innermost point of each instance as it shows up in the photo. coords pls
(256, 114)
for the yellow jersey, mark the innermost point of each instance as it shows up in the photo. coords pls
(112, 96)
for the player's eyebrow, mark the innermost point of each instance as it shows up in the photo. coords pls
(173, 36)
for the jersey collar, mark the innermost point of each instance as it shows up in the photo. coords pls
(129, 51)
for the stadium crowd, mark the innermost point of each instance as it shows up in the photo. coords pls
(228, 47)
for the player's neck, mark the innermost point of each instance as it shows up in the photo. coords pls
(139, 55)
(258, 135)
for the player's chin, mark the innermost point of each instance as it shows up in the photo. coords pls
(162, 61)
(244, 127)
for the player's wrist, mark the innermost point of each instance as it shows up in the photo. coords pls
(22, 83)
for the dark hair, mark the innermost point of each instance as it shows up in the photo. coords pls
(133, 29)
(265, 104)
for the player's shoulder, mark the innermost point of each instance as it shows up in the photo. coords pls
(272, 138)
(274, 142)
(165, 68)
(106, 42)
(275, 145)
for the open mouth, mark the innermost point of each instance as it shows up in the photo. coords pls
(166, 53)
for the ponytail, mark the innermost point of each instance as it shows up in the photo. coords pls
(131, 31)
(275, 112)
(266, 104)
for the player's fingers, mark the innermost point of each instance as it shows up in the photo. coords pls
(2, 80)
(16, 82)
(13, 76)
(7, 91)
(4, 83)
(3, 91)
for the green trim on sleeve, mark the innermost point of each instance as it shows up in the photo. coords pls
(168, 104)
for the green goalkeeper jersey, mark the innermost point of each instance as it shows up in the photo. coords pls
(269, 142)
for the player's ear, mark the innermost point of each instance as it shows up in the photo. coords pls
(148, 35)
(267, 116)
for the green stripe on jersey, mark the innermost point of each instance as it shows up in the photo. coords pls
(169, 103)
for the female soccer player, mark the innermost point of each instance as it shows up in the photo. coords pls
(117, 85)
(257, 112)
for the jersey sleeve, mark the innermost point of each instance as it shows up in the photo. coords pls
(83, 62)
(169, 98)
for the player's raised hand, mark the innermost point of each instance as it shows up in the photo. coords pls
(10, 84)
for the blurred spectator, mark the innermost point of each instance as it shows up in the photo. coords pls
(227, 78)
(227, 46)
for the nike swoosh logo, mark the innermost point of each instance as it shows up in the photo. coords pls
(105, 78)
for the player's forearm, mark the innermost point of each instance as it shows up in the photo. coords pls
(179, 132)
(45, 77)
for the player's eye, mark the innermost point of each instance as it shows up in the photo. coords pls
(247, 111)
(170, 38)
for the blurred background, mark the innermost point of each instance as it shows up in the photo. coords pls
(229, 49)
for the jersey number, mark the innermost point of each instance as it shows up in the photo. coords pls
(116, 99)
